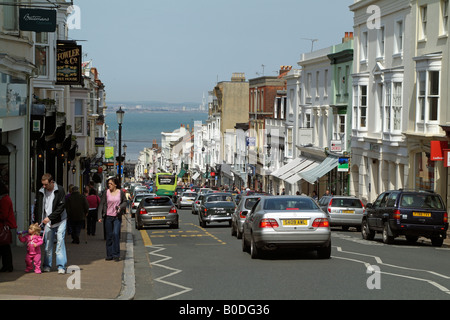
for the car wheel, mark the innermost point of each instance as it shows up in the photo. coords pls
(254, 251)
(244, 245)
(233, 230)
(437, 242)
(324, 252)
(366, 233)
(387, 239)
(238, 233)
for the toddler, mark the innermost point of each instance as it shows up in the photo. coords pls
(33, 240)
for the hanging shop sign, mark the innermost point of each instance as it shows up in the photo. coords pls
(344, 164)
(447, 158)
(437, 150)
(37, 20)
(68, 64)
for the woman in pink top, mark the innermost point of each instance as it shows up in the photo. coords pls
(112, 205)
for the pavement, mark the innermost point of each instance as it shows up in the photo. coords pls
(92, 277)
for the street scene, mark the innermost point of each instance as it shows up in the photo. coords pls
(179, 155)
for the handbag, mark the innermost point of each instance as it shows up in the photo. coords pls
(5, 236)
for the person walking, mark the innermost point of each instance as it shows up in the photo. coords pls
(34, 241)
(77, 208)
(7, 219)
(50, 210)
(92, 218)
(112, 206)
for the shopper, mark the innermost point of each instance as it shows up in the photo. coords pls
(77, 210)
(92, 218)
(50, 210)
(7, 219)
(112, 206)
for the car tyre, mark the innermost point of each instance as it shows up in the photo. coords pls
(254, 251)
(233, 230)
(238, 233)
(387, 239)
(366, 233)
(324, 252)
(437, 242)
(245, 247)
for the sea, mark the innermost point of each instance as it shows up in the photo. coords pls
(139, 129)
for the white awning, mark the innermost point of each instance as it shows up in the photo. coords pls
(319, 171)
(195, 176)
(290, 172)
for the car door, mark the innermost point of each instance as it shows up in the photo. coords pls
(372, 212)
(381, 211)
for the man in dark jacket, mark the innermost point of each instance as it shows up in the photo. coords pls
(77, 208)
(50, 211)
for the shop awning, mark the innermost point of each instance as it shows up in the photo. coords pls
(322, 169)
(195, 176)
(290, 172)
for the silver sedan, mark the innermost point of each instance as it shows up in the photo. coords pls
(286, 221)
(156, 211)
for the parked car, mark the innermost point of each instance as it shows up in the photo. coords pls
(343, 211)
(237, 219)
(286, 221)
(134, 203)
(216, 207)
(412, 214)
(156, 211)
(197, 203)
(186, 199)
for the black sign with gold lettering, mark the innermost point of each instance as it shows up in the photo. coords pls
(68, 64)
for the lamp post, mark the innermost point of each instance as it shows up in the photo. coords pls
(120, 113)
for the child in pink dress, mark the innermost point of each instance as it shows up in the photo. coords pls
(33, 240)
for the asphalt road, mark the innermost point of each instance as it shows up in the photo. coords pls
(194, 263)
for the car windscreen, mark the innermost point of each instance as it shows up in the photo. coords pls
(157, 202)
(346, 203)
(189, 194)
(423, 201)
(290, 204)
(217, 198)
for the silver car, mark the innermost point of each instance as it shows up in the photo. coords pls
(237, 219)
(286, 221)
(156, 211)
(134, 203)
(344, 211)
(186, 199)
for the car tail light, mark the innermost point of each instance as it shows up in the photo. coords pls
(321, 223)
(446, 217)
(362, 206)
(397, 215)
(241, 215)
(173, 210)
(142, 211)
(329, 206)
(268, 223)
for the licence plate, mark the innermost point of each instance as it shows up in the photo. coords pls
(295, 222)
(158, 218)
(348, 211)
(422, 214)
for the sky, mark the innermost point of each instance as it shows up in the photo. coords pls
(176, 51)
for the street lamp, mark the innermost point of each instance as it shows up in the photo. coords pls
(120, 113)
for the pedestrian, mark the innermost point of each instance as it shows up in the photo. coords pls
(8, 220)
(77, 208)
(92, 218)
(34, 241)
(314, 195)
(50, 210)
(283, 192)
(112, 206)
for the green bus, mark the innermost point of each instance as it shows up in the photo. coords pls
(165, 183)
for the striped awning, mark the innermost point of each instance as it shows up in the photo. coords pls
(312, 176)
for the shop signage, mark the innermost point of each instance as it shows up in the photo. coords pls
(336, 146)
(447, 158)
(437, 150)
(99, 142)
(68, 64)
(109, 153)
(37, 20)
(343, 165)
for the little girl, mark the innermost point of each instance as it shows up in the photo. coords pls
(34, 241)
